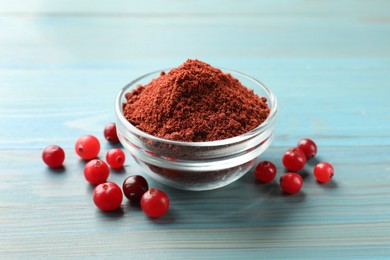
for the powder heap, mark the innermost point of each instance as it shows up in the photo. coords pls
(195, 102)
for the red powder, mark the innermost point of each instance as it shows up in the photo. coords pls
(195, 103)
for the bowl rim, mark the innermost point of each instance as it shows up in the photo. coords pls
(267, 123)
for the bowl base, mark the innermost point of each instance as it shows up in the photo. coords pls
(196, 181)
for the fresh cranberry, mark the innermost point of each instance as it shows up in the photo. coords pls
(115, 158)
(265, 171)
(53, 156)
(96, 171)
(134, 187)
(294, 159)
(323, 172)
(308, 147)
(291, 182)
(87, 147)
(107, 196)
(110, 133)
(154, 203)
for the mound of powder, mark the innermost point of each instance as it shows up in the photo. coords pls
(195, 102)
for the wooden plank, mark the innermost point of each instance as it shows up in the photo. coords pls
(48, 213)
(57, 104)
(92, 42)
(185, 8)
(51, 69)
(62, 62)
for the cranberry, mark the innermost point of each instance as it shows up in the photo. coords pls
(308, 147)
(110, 133)
(96, 171)
(134, 187)
(107, 196)
(115, 158)
(323, 172)
(87, 147)
(291, 182)
(53, 156)
(294, 159)
(154, 203)
(265, 171)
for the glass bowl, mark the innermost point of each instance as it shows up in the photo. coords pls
(196, 165)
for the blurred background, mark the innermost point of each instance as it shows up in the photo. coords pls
(66, 60)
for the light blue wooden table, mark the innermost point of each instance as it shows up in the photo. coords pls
(328, 62)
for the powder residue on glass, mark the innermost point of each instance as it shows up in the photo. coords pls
(195, 102)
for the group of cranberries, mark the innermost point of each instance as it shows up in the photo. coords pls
(294, 160)
(108, 196)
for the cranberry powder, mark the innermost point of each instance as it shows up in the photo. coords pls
(195, 102)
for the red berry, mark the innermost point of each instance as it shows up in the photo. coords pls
(115, 158)
(308, 147)
(96, 171)
(294, 159)
(291, 182)
(323, 172)
(154, 203)
(53, 156)
(107, 196)
(110, 133)
(87, 147)
(265, 171)
(134, 187)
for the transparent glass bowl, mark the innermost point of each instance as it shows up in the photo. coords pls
(196, 165)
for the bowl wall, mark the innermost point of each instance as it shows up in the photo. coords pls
(196, 165)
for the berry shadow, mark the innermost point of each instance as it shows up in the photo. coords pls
(314, 161)
(305, 174)
(58, 170)
(113, 214)
(82, 162)
(132, 207)
(293, 198)
(121, 170)
(109, 146)
(169, 218)
(270, 189)
(328, 185)
(90, 188)
(56, 174)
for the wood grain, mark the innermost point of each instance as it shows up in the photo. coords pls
(328, 62)
(50, 213)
